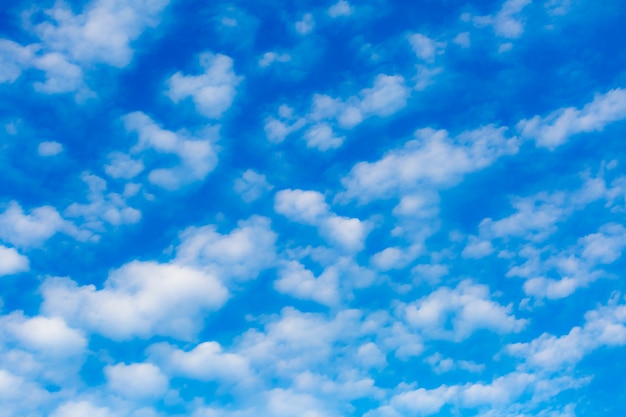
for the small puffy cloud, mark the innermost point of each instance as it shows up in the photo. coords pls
(426, 48)
(270, 57)
(463, 40)
(306, 25)
(477, 248)
(309, 207)
(137, 380)
(49, 336)
(507, 23)
(213, 91)
(341, 8)
(302, 206)
(32, 229)
(61, 76)
(205, 362)
(102, 208)
(49, 148)
(123, 166)
(241, 255)
(605, 326)
(86, 37)
(294, 279)
(555, 129)
(251, 186)
(140, 299)
(14, 58)
(432, 159)
(11, 262)
(468, 307)
(196, 153)
(424, 402)
(388, 95)
(322, 137)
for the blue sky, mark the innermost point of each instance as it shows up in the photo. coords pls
(312, 209)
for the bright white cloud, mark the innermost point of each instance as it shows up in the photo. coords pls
(294, 279)
(196, 153)
(140, 299)
(555, 129)
(432, 159)
(102, 207)
(309, 207)
(49, 336)
(205, 362)
(14, 58)
(11, 262)
(241, 255)
(137, 380)
(32, 229)
(321, 136)
(213, 91)
(102, 33)
(123, 166)
(81, 409)
(468, 307)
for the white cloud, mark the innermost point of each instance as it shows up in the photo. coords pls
(11, 262)
(137, 380)
(123, 166)
(426, 48)
(61, 75)
(49, 148)
(432, 159)
(196, 153)
(81, 409)
(424, 402)
(477, 248)
(213, 91)
(270, 57)
(102, 207)
(14, 58)
(294, 279)
(205, 362)
(140, 299)
(241, 255)
(309, 207)
(321, 136)
(507, 23)
(49, 336)
(604, 326)
(306, 25)
(251, 185)
(341, 8)
(103, 33)
(468, 308)
(463, 40)
(388, 95)
(26, 230)
(555, 129)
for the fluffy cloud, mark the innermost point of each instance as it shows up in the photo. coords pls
(425, 48)
(468, 307)
(213, 91)
(341, 8)
(137, 380)
(11, 262)
(239, 255)
(432, 159)
(205, 362)
(14, 58)
(388, 95)
(556, 128)
(605, 326)
(25, 230)
(507, 23)
(251, 185)
(196, 153)
(81, 409)
(140, 299)
(49, 148)
(309, 207)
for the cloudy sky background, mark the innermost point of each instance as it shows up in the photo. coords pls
(313, 209)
